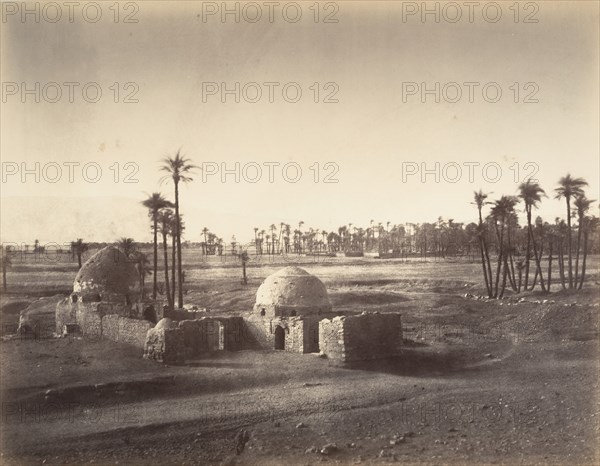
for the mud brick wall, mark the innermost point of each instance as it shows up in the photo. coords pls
(65, 314)
(133, 331)
(113, 308)
(194, 339)
(201, 335)
(311, 335)
(125, 330)
(331, 338)
(165, 345)
(257, 333)
(235, 332)
(294, 335)
(363, 337)
(301, 333)
(89, 319)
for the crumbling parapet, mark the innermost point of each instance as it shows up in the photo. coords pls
(165, 343)
(362, 337)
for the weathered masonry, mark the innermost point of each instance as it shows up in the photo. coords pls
(106, 301)
(361, 337)
(292, 313)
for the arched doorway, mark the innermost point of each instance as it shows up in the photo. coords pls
(279, 338)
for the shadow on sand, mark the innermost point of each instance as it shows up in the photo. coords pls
(414, 362)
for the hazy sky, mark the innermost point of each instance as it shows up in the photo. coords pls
(371, 137)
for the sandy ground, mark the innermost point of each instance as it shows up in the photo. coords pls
(480, 382)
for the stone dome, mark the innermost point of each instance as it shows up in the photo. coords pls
(291, 291)
(166, 323)
(108, 276)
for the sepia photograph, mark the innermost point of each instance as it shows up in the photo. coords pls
(247, 233)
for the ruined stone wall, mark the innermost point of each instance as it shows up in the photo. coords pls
(294, 334)
(102, 320)
(89, 318)
(311, 335)
(301, 333)
(65, 314)
(125, 330)
(194, 337)
(257, 333)
(213, 333)
(234, 330)
(165, 345)
(362, 337)
(331, 338)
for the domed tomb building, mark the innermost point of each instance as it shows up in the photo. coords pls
(290, 292)
(107, 284)
(107, 276)
(289, 305)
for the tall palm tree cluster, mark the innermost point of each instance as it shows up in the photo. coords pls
(166, 220)
(519, 260)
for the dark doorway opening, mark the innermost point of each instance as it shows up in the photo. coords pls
(279, 338)
(149, 314)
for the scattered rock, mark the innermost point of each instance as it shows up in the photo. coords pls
(241, 438)
(397, 441)
(311, 449)
(329, 449)
(386, 454)
(300, 425)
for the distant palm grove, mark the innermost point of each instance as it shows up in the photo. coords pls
(521, 257)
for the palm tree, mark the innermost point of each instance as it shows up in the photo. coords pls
(288, 232)
(551, 240)
(480, 201)
(244, 258)
(141, 264)
(300, 223)
(570, 187)
(5, 263)
(165, 221)
(262, 240)
(176, 228)
(273, 228)
(560, 240)
(255, 241)
(154, 204)
(178, 169)
(127, 246)
(80, 248)
(500, 213)
(582, 205)
(531, 193)
(592, 225)
(281, 225)
(205, 232)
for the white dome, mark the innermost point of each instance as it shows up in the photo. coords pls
(292, 291)
(166, 323)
